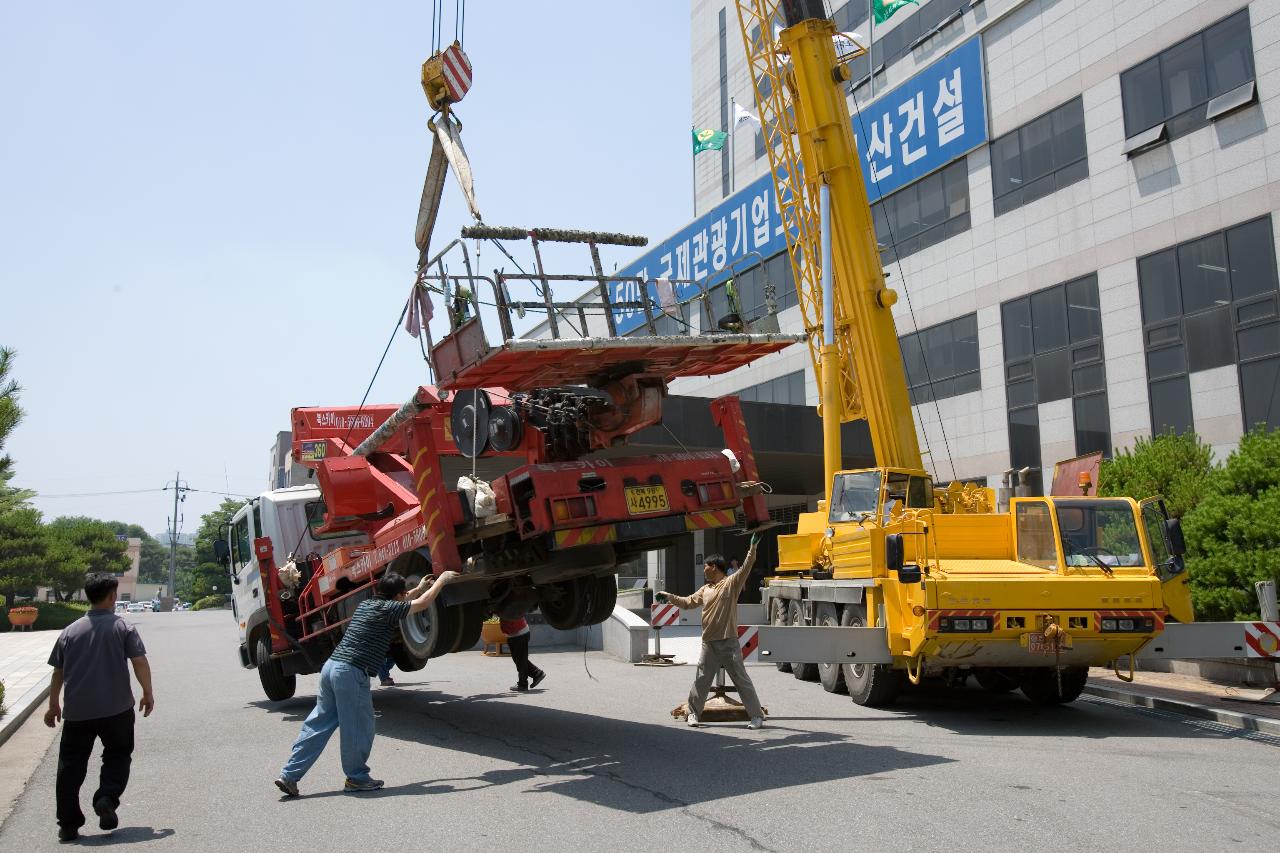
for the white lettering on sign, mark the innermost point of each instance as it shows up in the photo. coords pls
(719, 234)
(881, 143)
(333, 420)
(380, 556)
(700, 255)
(575, 465)
(913, 129)
(949, 108)
(760, 218)
(738, 216)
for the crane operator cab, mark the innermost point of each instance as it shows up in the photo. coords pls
(878, 493)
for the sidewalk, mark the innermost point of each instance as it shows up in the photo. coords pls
(24, 669)
(1191, 696)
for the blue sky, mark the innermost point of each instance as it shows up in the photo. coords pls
(207, 209)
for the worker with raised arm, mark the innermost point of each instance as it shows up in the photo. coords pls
(718, 599)
(345, 701)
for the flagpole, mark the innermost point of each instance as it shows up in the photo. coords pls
(732, 150)
(871, 47)
(693, 163)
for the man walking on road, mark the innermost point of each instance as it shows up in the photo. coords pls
(718, 599)
(89, 660)
(345, 701)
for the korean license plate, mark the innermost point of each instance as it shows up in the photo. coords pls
(1037, 646)
(642, 500)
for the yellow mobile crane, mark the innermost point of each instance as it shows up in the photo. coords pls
(1027, 598)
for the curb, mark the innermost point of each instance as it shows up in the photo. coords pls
(22, 709)
(1234, 719)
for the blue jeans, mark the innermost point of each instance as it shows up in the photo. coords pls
(385, 672)
(344, 703)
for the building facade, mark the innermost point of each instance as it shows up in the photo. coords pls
(1075, 197)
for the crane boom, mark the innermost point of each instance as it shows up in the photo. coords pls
(805, 121)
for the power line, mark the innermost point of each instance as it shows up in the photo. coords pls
(138, 492)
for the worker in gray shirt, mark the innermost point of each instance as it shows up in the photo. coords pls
(89, 660)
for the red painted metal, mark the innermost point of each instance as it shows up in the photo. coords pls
(727, 413)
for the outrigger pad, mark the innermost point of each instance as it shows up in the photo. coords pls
(543, 363)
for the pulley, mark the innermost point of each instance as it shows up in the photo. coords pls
(470, 421)
(505, 429)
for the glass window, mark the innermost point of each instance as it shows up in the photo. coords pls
(1035, 535)
(1015, 323)
(933, 205)
(1099, 531)
(1093, 424)
(1024, 438)
(1049, 319)
(1141, 93)
(965, 330)
(1006, 164)
(855, 496)
(1022, 393)
(1202, 268)
(1158, 284)
(1168, 361)
(1083, 313)
(956, 180)
(1260, 386)
(1209, 339)
(243, 550)
(1153, 522)
(1253, 262)
(795, 386)
(1182, 67)
(1053, 376)
(1037, 147)
(1229, 50)
(1171, 406)
(1087, 379)
(935, 357)
(1068, 134)
(1259, 341)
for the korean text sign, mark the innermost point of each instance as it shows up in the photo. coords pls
(925, 123)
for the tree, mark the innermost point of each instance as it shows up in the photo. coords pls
(197, 579)
(1233, 533)
(82, 545)
(10, 415)
(23, 545)
(1178, 467)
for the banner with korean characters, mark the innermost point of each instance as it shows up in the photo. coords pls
(938, 115)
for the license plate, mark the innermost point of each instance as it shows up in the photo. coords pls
(1037, 646)
(642, 500)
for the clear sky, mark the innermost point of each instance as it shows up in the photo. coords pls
(207, 209)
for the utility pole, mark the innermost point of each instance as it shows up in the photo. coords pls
(179, 494)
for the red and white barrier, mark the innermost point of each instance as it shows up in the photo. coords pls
(749, 641)
(1262, 639)
(662, 615)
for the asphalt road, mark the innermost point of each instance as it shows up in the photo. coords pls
(595, 762)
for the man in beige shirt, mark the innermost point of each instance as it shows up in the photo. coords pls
(718, 599)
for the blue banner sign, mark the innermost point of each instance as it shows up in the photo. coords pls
(933, 118)
(746, 222)
(924, 124)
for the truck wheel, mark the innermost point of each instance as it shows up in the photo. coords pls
(1040, 685)
(779, 617)
(795, 616)
(406, 660)
(432, 632)
(275, 683)
(871, 685)
(602, 598)
(564, 604)
(830, 674)
(996, 680)
(472, 616)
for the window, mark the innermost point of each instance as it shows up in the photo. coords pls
(923, 213)
(242, 551)
(1036, 544)
(1096, 532)
(854, 496)
(909, 29)
(942, 361)
(1041, 157)
(1053, 351)
(1174, 92)
(788, 390)
(1206, 303)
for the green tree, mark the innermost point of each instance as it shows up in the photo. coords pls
(82, 545)
(10, 415)
(1179, 467)
(23, 545)
(1233, 533)
(197, 578)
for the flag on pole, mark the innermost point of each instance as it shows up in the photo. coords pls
(708, 138)
(420, 311)
(883, 10)
(742, 115)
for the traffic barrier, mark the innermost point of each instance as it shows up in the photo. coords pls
(1262, 639)
(661, 615)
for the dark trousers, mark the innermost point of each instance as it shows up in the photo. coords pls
(520, 654)
(116, 733)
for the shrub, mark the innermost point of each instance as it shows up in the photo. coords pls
(209, 601)
(54, 616)
(1178, 467)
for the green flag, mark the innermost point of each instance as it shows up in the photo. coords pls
(708, 138)
(883, 10)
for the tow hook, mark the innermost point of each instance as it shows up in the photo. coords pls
(1055, 638)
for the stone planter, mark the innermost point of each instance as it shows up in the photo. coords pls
(23, 617)
(491, 634)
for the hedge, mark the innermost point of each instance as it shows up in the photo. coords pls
(55, 615)
(210, 601)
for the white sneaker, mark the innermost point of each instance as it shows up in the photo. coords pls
(756, 723)
(693, 721)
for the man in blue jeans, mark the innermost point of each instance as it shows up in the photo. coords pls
(344, 701)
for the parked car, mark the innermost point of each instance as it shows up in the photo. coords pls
(135, 607)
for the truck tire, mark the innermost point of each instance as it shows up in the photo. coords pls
(405, 660)
(564, 604)
(870, 685)
(602, 597)
(275, 683)
(471, 618)
(830, 674)
(795, 616)
(1040, 685)
(432, 632)
(996, 680)
(779, 617)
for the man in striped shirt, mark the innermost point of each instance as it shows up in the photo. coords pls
(345, 701)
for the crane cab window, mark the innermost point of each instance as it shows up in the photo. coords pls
(855, 497)
(1035, 535)
(241, 545)
(913, 490)
(1096, 532)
